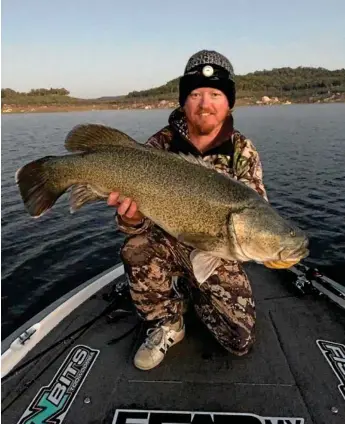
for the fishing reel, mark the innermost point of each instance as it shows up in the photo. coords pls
(312, 281)
(303, 284)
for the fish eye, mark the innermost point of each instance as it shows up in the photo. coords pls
(292, 233)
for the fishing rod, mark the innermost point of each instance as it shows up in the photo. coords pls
(311, 280)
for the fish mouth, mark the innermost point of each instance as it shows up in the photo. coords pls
(301, 252)
(288, 258)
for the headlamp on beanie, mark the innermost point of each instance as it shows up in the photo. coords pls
(208, 69)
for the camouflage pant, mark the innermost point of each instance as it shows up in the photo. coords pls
(224, 302)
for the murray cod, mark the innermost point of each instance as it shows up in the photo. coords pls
(219, 217)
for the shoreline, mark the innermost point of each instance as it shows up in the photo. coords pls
(9, 109)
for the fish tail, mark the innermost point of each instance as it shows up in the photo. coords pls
(39, 186)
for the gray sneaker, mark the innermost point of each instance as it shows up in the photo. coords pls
(158, 341)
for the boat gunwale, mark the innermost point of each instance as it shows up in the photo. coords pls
(66, 304)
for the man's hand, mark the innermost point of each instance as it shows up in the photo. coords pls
(127, 209)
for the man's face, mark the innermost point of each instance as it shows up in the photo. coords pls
(206, 109)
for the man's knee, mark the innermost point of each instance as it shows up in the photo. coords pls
(235, 338)
(242, 345)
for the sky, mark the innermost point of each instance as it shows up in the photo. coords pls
(111, 47)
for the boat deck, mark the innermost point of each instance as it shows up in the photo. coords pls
(285, 375)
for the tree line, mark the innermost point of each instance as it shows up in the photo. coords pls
(283, 82)
(299, 84)
(34, 92)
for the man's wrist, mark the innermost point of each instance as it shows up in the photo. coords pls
(131, 222)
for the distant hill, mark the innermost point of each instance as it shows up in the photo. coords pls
(299, 83)
(106, 99)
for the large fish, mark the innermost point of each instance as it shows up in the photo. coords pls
(216, 215)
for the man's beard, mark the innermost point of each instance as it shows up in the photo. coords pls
(204, 128)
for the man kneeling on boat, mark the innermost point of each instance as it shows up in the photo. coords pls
(202, 126)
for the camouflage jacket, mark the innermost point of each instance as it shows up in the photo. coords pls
(235, 155)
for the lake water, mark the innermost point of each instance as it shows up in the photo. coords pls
(302, 149)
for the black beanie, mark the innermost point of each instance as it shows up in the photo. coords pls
(207, 68)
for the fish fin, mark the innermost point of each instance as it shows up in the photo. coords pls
(38, 191)
(204, 264)
(200, 241)
(198, 160)
(81, 194)
(95, 137)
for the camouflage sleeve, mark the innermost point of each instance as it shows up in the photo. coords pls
(248, 165)
(160, 140)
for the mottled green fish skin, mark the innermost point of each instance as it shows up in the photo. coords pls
(185, 199)
(178, 195)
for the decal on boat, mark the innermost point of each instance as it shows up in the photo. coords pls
(335, 355)
(52, 402)
(139, 416)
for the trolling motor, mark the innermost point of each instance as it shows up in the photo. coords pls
(311, 280)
